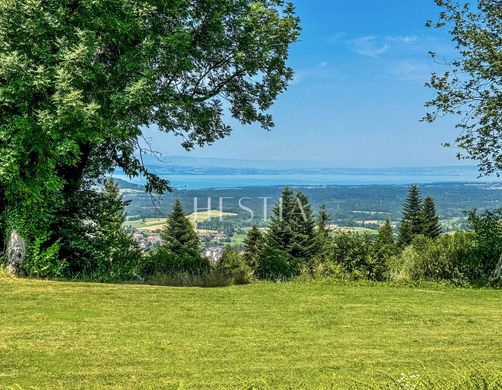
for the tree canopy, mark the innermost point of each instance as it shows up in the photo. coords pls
(80, 80)
(471, 88)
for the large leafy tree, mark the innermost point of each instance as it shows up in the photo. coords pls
(472, 85)
(80, 79)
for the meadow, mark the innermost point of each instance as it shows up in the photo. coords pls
(266, 335)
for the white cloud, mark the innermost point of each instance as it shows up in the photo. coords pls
(403, 38)
(374, 46)
(370, 46)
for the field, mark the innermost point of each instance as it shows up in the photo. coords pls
(61, 335)
(153, 224)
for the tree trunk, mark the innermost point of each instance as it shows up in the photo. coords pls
(15, 253)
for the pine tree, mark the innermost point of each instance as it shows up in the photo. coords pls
(279, 233)
(383, 249)
(385, 234)
(118, 253)
(411, 224)
(322, 222)
(304, 243)
(431, 227)
(179, 236)
(253, 247)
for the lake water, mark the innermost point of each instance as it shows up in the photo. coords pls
(192, 182)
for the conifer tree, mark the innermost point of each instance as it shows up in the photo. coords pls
(304, 243)
(431, 227)
(383, 249)
(322, 222)
(385, 234)
(116, 252)
(411, 224)
(179, 236)
(280, 234)
(253, 247)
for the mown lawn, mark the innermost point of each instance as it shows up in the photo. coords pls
(72, 335)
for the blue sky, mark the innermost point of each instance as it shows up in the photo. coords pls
(358, 94)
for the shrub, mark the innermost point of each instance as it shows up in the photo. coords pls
(43, 261)
(487, 229)
(187, 279)
(276, 265)
(235, 266)
(353, 252)
(163, 261)
(450, 258)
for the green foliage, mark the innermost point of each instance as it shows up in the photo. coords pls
(80, 80)
(411, 224)
(178, 235)
(162, 261)
(470, 87)
(179, 251)
(452, 258)
(304, 243)
(44, 262)
(254, 245)
(353, 252)
(189, 279)
(234, 266)
(276, 265)
(488, 233)
(431, 226)
(384, 249)
(291, 237)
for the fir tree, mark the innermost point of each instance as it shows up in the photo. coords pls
(383, 249)
(385, 234)
(253, 247)
(304, 243)
(280, 233)
(431, 227)
(116, 251)
(411, 224)
(179, 236)
(322, 222)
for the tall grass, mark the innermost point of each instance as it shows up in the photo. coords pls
(187, 279)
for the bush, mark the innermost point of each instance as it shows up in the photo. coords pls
(450, 258)
(235, 266)
(487, 229)
(43, 261)
(162, 261)
(353, 252)
(276, 265)
(186, 279)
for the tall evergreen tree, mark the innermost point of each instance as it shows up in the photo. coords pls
(179, 236)
(322, 222)
(116, 252)
(385, 234)
(411, 224)
(280, 233)
(431, 227)
(383, 249)
(304, 243)
(253, 247)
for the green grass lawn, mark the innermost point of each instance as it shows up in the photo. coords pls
(69, 335)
